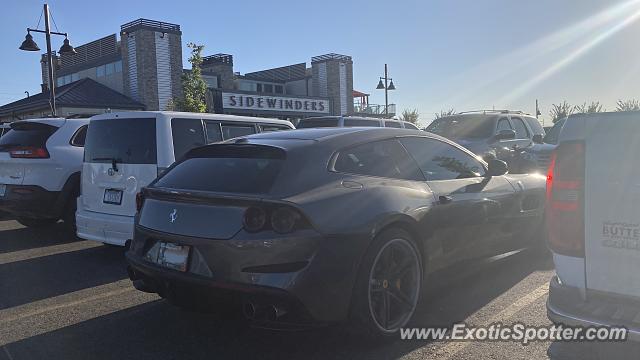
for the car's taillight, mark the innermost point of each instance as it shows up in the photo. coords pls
(565, 199)
(281, 219)
(139, 201)
(29, 152)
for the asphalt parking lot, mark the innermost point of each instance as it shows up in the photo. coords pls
(63, 298)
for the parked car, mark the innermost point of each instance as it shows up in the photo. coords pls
(325, 225)
(126, 151)
(593, 220)
(347, 121)
(4, 128)
(40, 163)
(492, 134)
(538, 156)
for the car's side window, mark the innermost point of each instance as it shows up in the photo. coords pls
(233, 131)
(187, 134)
(503, 124)
(520, 128)
(79, 137)
(441, 161)
(272, 128)
(385, 158)
(214, 132)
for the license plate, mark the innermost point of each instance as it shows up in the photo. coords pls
(112, 196)
(3, 189)
(173, 256)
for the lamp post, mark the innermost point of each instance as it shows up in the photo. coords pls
(387, 85)
(29, 45)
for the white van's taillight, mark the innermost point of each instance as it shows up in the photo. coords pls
(565, 199)
(29, 152)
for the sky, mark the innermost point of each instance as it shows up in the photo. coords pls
(442, 54)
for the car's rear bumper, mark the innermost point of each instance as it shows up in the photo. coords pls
(567, 306)
(106, 228)
(310, 275)
(30, 201)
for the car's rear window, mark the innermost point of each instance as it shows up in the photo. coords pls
(127, 141)
(317, 123)
(27, 134)
(244, 169)
(463, 127)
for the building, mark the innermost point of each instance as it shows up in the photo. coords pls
(142, 71)
(288, 92)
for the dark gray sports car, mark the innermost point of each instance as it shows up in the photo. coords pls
(324, 225)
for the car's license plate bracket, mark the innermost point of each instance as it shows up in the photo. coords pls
(112, 196)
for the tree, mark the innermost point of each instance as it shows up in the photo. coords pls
(593, 107)
(410, 115)
(444, 113)
(628, 105)
(560, 111)
(194, 88)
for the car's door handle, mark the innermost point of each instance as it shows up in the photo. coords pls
(445, 199)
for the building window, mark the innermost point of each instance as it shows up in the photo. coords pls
(259, 88)
(268, 88)
(118, 65)
(279, 89)
(75, 77)
(60, 81)
(109, 68)
(100, 71)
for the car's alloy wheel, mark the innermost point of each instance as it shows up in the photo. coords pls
(394, 285)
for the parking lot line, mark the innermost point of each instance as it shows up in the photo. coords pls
(35, 253)
(69, 309)
(453, 348)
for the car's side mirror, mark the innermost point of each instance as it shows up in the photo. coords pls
(505, 135)
(537, 138)
(497, 168)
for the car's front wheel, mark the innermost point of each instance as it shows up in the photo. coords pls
(388, 284)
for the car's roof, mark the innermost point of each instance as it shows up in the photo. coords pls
(339, 135)
(189, 115)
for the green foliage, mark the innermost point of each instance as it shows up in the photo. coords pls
(561, 111)
(444, 113)
(593, 107)
(194, 88)
(628, 105)
(410, 115)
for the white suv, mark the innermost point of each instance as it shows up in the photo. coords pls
(593, 220)
(40, 162)
(126, 151)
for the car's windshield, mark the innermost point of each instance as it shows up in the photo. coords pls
(552, 135)
(461, 127)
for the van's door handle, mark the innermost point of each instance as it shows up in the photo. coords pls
(14, 177)
(445, 199)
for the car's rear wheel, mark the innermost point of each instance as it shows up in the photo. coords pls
(388, 285)
(36, 223)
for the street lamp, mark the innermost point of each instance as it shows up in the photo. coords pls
(387, 85)
(29, 45)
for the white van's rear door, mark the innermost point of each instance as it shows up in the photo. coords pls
(612, 203)
(120, 159)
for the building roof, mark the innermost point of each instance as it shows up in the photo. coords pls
(84, 93)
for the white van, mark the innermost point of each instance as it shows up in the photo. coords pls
(593, 221)
(126, 151)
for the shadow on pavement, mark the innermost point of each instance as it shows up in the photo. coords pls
(158, 330)
(24, 238)
(40, 278)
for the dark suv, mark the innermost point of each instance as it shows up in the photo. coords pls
(500, 134)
